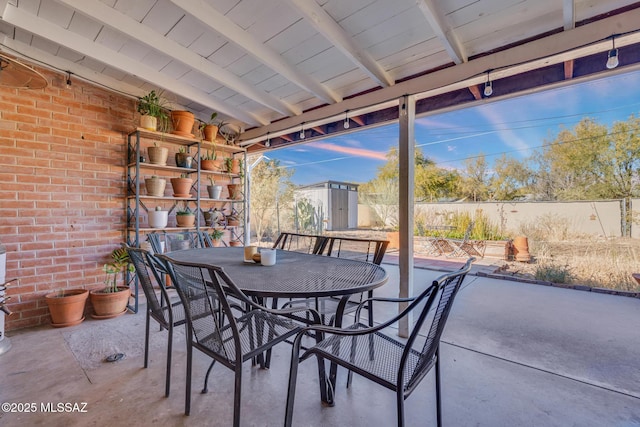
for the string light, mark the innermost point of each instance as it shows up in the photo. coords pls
(302, 131)
(612, 56)
(268, 142)
(488, 86)
(346, 119)
(68, 79)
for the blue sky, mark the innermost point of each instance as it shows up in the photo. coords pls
(515, 126)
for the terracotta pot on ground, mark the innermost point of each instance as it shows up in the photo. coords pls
(148, 122)
(109, 304)
(210, 132)
(158, 155)
(182, 123)
(521, 249)
(181, 187)
(67, 307)
(235, 243)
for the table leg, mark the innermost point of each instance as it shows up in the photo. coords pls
(333, 368)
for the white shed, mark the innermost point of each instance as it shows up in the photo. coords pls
(335, 204)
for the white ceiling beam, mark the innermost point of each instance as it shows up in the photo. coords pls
(332, 31)
(564, 46)
(3, 6)
(110, 17)
(568, 14)
(58, 64)
(445, 34)
(254, 47)
(56, 34)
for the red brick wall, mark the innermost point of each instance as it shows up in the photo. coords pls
(61, 189)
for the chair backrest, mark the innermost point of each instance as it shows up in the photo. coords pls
(369, 250)
(182, 240)
(202, 292)
(144, 262)
(440, 295)
(298, 242)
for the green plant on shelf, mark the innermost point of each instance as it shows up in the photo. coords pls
(211, 155)
(216, 234)
(152, 105)
(184, 210)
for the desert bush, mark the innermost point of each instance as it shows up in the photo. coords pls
(548, 227)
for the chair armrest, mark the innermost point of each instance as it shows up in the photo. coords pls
(379, 299)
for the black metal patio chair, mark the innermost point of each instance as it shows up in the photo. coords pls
(219, 330)
(299, 242)
(168, 314)
(369, 352)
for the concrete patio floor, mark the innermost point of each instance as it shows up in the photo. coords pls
(513, 354)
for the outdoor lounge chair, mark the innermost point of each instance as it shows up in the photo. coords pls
(369, 352)
(166, 313)
(218, 329)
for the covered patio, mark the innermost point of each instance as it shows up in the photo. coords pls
(514, 354)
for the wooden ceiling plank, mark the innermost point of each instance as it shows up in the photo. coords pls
(475, 91)
(316, 16)
(445, 34)
(119, 22)
(568, 69)
(268, 56)
(56, 34)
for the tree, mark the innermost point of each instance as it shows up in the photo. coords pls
(474, 180)
(270, 185)
(510, 179)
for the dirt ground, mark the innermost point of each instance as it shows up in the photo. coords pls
(602, 263)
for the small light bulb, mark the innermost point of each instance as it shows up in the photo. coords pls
(612, 60)
(268, 143)
(346, 123)
(302, 134)
(488, 89)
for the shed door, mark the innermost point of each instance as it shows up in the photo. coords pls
(339, 209)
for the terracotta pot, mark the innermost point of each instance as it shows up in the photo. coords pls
(216, 242)
(521, 249)
(67, 307)
(185, 220)
(158, 155)
(148, 122)
(109, 304)
(235, 243)
(235, 166)
(210, 165)
(155, 186)
(182, 123)
(181, 187)
(235, 191)
(210, 132)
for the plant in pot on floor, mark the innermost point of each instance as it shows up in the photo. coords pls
(66, 306)
(112, 300)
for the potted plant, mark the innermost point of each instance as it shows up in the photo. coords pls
(182, 186)
(158, 218)
(229, 135)
(235, 242)
(210, 129)
(233, 165)
(155, 186)
(66, 307)
(158, 155)
(182, 122)
(213, 189)
(151, 109)
(185, 217)
(183, 159)
(112, 300)
(216, 237)
(209, 161)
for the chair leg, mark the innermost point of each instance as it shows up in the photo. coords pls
(237, 399)
(205, 389)
(438, 397)
(146, 340)
(167, 385)
(400, 407)
(293, 375)
(187, 397)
